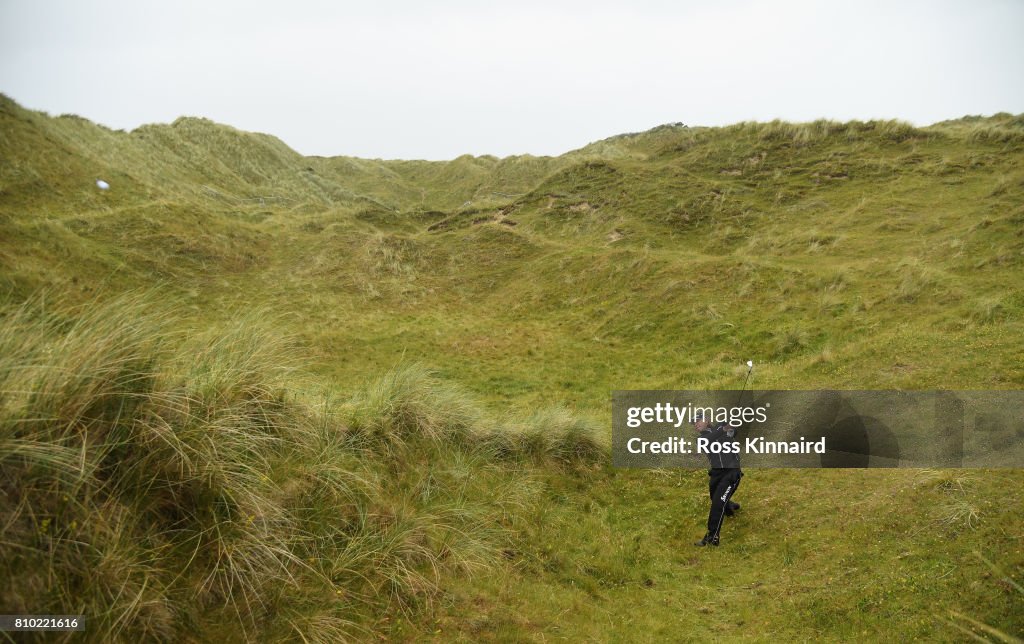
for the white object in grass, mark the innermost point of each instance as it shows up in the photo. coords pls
(102, 185)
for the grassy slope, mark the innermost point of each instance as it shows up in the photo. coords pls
(837, 255)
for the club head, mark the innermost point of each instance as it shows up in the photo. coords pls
(750, 363)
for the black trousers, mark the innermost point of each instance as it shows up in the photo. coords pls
(722, 484)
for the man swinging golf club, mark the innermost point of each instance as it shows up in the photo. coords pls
(724, 474)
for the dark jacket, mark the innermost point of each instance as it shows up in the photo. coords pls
(722, 433)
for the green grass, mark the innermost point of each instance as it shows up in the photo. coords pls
(161, 483)
(403, 363)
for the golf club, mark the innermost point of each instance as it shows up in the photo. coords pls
(750, 367)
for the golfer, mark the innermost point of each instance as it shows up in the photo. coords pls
(723, 477)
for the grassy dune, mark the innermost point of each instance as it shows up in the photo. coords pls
(247, 393)
(171, 485)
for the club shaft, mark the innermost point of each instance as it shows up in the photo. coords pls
(742, 389)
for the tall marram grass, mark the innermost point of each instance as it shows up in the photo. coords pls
(173, 485)
(822, 129)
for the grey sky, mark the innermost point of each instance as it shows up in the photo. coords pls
(434, 80)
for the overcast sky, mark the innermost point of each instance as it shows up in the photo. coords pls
(436, 79)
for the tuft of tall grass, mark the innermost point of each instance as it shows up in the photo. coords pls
(995, 133)
(915, 279)
(801, 134)
(409, 403)
(548, 435)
